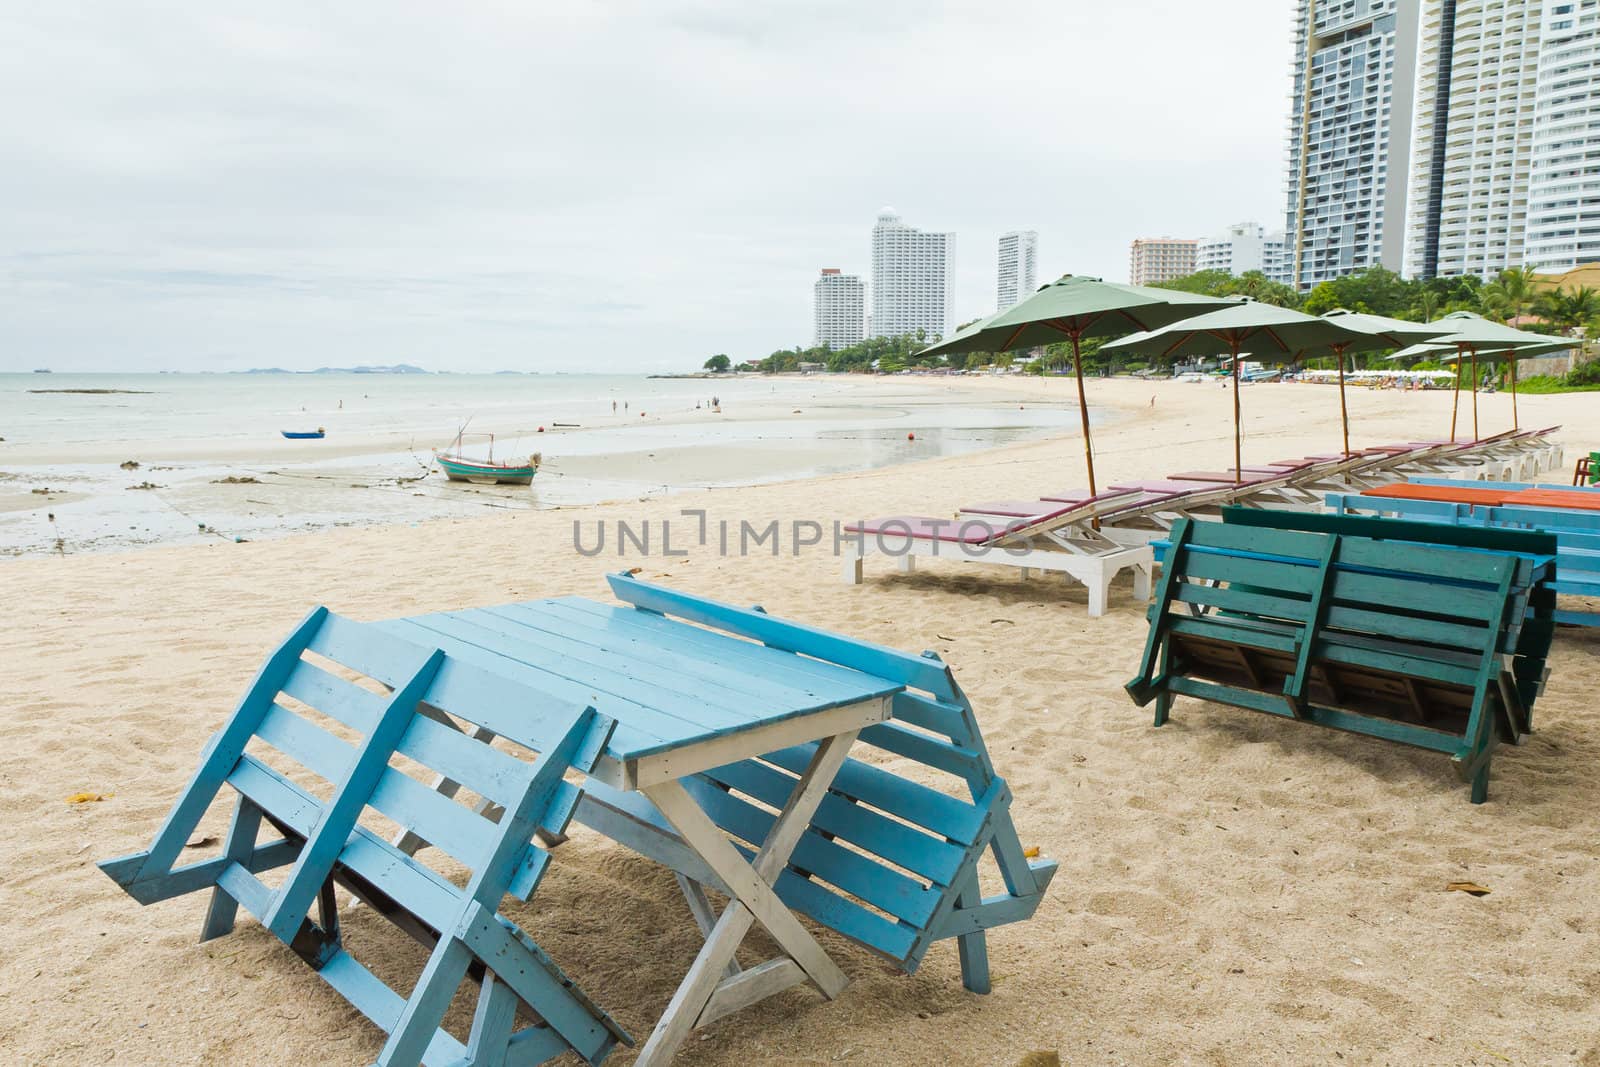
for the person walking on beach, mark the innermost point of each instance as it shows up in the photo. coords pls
(613, 407)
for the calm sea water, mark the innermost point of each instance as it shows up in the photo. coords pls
(191, 431)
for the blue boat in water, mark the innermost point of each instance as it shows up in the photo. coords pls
(308, 435)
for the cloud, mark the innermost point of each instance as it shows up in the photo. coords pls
(605, 186)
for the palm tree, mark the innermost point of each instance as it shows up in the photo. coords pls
(1568, 309)
(1426, 309)
(1511, 293)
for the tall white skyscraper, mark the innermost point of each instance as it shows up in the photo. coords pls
(910, 278)
(1564, 193)
(1018, 274)
(839, 303)
(1473, 136)
(1349, 135)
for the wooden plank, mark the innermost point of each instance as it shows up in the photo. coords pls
(615, 651)
(338, 817)
(225, 748)
(756, 984)
(723, 660)
(788, 731)
(944, 815)
(900, 667)
(932, 857)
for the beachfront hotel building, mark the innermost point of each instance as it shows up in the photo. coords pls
(1242, 248)
(839, 303)
(910, 278)
(1564, 187)
(1472, 150)
(1018, 272)
(1160, 259)
(1349, 136)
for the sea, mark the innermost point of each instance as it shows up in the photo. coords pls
(92, 462)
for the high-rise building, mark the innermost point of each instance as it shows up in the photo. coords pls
(1018, 274)
(1160, 259)
(1237, 249)
(838, 301)
(1277, 258)
(1473, 136)
(1242, 248)
(910, 278)
(1564, 189)
(1349, 135)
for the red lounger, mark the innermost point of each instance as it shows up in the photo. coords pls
(1450, 494)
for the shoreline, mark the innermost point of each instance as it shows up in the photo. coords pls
(193, 488)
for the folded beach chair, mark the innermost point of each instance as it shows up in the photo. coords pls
(1577, 530)
(1407, 642)
(1063, 538)
(285, 756)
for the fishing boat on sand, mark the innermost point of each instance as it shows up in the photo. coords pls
(459, 467)
(305, 435)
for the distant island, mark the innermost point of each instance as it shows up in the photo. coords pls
(393, 368)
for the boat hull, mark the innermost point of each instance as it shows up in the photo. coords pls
(486, 473)
(319, 435)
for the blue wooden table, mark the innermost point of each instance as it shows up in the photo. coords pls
(686, 700)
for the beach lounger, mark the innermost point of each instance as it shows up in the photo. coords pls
(1063, 539)
(1405, 642)
(334, 841)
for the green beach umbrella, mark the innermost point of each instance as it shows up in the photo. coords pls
(1251, 326)
(1073, 308)
(1473, 335)
(1380, 332)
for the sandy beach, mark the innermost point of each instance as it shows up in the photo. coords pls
(1233, 889)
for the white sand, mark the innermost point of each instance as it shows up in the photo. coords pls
(1233, 889)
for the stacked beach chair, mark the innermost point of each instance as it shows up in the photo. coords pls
(744, 752)
(1570, 514)
(1408, 632)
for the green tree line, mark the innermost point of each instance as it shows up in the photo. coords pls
(1514, 294)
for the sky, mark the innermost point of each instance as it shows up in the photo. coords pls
(587, 186)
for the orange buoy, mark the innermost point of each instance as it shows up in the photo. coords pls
(911, 437)
(541, 429)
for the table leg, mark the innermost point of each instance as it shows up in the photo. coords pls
(706, 993)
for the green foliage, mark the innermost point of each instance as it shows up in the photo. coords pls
(1253, 284)
(1569, 309)
(718, 364)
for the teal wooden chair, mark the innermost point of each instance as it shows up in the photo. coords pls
(890, 862)
(1407, 642)
(320, 792)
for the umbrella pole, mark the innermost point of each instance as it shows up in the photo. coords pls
(1455, 397)
(1238, 455)
(1514, 391)
(1475, 435)
(1344, 412)
(1083, 409)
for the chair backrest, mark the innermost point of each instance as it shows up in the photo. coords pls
(338, 744)
(889, 861)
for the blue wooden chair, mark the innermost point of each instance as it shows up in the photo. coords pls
(888, 861)
(332, 841)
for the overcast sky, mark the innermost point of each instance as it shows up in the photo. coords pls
(586, 186)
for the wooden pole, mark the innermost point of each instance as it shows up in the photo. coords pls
(1513, 358)
(1344, 412)
(1238, 447)
(1475, 435)
(1455, 397)
(1083, 408)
